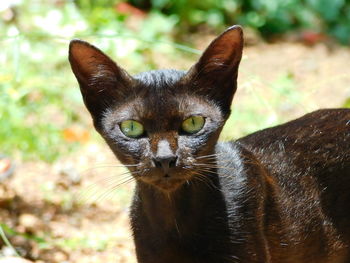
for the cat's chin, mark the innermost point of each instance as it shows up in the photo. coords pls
(167, 183)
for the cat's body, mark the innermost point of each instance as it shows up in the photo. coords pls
(264, 206)
(281, 195)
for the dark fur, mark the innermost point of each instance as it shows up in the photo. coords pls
(279, 195)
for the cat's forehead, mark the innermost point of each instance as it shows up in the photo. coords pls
(166, 105)
(163, 93)
(159, 80)
(160, 100)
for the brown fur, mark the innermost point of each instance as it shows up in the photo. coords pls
(281, 195)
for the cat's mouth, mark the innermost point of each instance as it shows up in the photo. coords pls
(168, 184)
(166, 181)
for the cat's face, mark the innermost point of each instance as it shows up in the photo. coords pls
(163, 132)
(162, 124)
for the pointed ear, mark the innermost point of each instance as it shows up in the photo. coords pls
(102, 82)
(215, 74)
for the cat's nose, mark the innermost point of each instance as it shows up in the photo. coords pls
(165, 162)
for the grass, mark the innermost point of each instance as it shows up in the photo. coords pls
(3, 237)
(96, 241)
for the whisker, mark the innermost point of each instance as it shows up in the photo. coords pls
(206, 170)
(209, 155)
(114, 176)
(215, 161)
(206, 180)
(214, 166)
(92, 195)
(199, 177)
(91, 189)
(113, 192)
(215, 157)
(118, 164)
(112, 188)
(201, 169)
(108, 166)
(210, 172)
(100, 193)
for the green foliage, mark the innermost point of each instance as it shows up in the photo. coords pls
(39, 98)
(269, 17)
(278, 97)
(36, 95)
(33, 111)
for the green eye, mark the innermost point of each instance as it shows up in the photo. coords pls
(193, 124)
(132, 128)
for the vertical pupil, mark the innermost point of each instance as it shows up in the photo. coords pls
(132, 125)
(193, 122)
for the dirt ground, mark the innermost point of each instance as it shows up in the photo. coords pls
(72, 211)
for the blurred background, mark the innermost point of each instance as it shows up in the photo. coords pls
(63, 202)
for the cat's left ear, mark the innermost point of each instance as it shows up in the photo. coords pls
(215, 74)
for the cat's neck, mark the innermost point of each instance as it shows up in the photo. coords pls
(194, 202)
(182, 209)
(182, 224)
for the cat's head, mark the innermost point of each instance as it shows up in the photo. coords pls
(162, 124)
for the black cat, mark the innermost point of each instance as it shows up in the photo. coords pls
(279, 195)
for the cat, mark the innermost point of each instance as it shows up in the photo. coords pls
(278, 195)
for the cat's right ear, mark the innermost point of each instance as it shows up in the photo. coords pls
(215, 74)
(102, 82)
